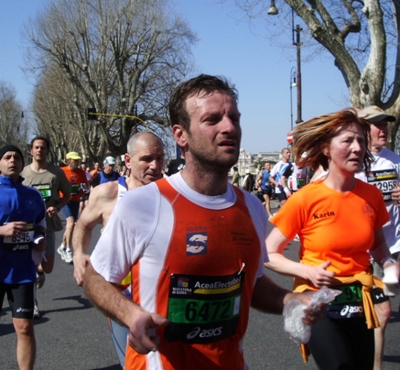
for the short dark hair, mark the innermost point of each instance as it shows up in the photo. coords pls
(177, 109)
(43, 138)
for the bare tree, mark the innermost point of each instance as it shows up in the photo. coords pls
(14, 129)
(60, 120)
(361, 36)
(121, 57)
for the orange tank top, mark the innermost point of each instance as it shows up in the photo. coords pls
(205, 286)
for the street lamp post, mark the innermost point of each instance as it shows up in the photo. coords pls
(273, 10)
(296, 41)
(293, 83)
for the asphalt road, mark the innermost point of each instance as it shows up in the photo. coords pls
(72, 335)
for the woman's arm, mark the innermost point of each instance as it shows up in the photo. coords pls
(317, 275)
(381, 253)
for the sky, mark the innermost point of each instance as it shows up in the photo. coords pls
(227, 45)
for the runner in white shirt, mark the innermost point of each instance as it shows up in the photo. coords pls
(145, 158)
(385, 175)
(276, 174)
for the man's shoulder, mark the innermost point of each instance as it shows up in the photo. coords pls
(65, 169)
(276, 167)
(105, 192)
(26, 171)
(54, 169)
(388, 154)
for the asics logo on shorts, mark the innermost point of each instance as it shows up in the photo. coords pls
(351, 309)
(206, 333)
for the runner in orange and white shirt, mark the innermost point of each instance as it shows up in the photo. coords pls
(195, 245)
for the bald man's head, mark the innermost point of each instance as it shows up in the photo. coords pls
(145, 157)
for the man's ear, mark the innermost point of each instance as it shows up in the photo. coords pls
(127, 159)
(180, 135)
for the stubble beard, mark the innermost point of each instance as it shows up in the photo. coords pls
(218, 165)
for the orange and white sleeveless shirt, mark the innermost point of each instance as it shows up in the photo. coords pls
(194, 260)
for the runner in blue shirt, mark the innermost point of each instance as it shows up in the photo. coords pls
(22, 241)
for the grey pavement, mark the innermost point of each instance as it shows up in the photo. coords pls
(73, 335)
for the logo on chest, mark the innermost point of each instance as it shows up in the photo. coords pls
(196, 243)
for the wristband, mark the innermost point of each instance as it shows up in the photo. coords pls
(286, 190)
(39, 238)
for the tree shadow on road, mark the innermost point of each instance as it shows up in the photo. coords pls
(112, 367)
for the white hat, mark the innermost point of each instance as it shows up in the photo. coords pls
(109, 160)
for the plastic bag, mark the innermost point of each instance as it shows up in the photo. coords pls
(293, 314)
(37, 257)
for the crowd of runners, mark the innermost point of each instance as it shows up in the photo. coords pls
(182, 253)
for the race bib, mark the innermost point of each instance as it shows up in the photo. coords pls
(384, 180)
(75, 189)
(44, 189)
(348, 304)
(203, 309)
(19, 243)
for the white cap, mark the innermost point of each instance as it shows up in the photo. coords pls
(109, 160)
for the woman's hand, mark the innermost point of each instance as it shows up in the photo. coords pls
(319, 276)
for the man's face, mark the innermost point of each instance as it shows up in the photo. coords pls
(83, 166)
(11, 164)
(146, 164)
(267, 167)
(108, 168)
(215, 133)
(73, 164)
(286, 154)
(39, 151)
(379, 133)
(97, 166)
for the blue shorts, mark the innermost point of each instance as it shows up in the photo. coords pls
(71, 209)
(267, 191)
